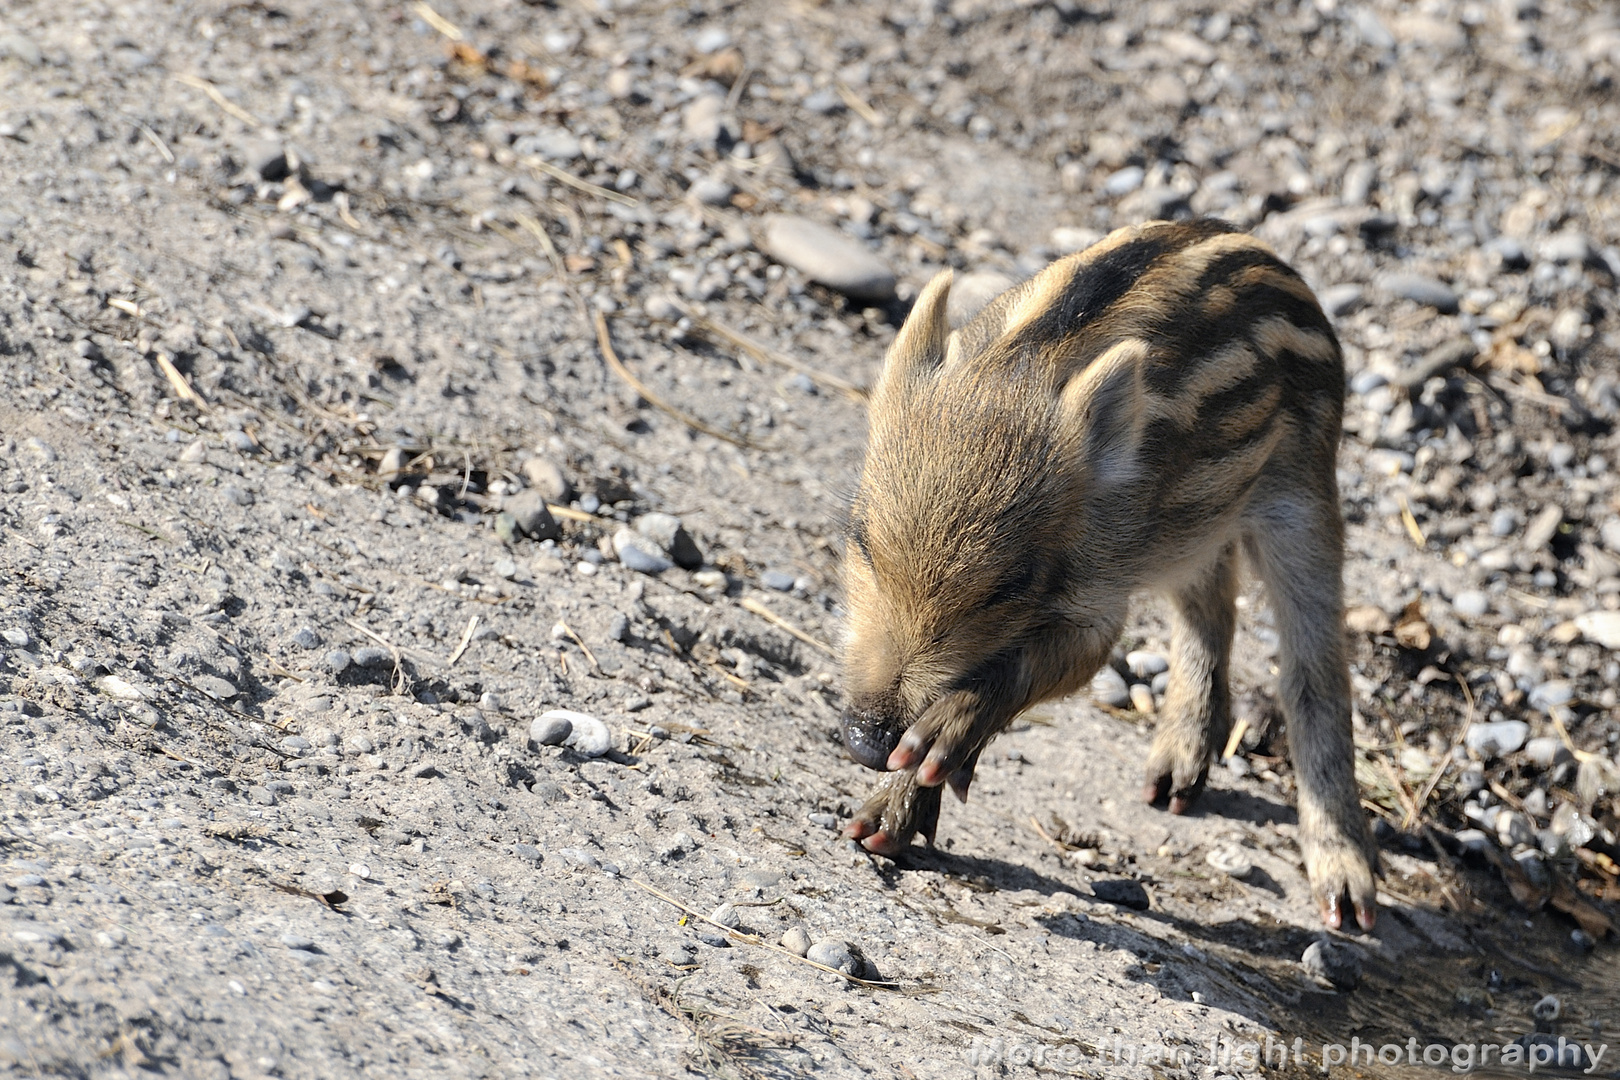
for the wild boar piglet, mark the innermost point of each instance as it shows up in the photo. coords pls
(1131, 419)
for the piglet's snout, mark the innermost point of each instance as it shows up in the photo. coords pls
(870, 737)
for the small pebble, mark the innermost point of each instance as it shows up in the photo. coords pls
(1334, 962)
(1552, 693)
(1471, 603)
(1230, 860)
(371, 656)
(1422, 290)
(1145, 664)
(779, 580)
(1124, 181)
(726, 915)
(639, 553)
(360, 870)
(796, 940)
(16, 637)
(826, 255)
(587, 735)
(1142, 699)
(835, 954)
(1122, 891)
(337, 661)
(215, 687)
(306, 638)
(551, 729)
(711, 191)
(1341, 300)
(1109, 688)
(1498, 737)
(298, 941)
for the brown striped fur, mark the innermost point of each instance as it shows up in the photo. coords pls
(1128, 419)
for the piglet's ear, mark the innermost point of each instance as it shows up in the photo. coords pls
(920, 345)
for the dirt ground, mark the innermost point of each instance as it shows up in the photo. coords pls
(309, 310)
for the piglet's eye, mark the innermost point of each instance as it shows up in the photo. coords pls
(1012, 586)
(857, 536)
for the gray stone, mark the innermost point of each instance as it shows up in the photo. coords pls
(546, 478)
(711, 39)
(1551, 693)
(552, 144)
(1145, 664)
(1513, 829)
(530, 515)
(1341, 300)
(371, 656)
(779, 580)
(298, 941)
(836, 954)
(1231, 860)
(1601, 627)
(16, 637)
(1422, 290)
(726, 915)
(796, 940)
(823, 102)
(1333, 962)
(712, 191)
(702, 119)
(1108, 687)
(1124, 181)
(1474, 841)
(826, 255)
(1565, 247)
(237, 495)
(667, 531)
(1372, 30)
(587, 736)
(306, 638)
(550, 729)
(1471, 603)
(20, 48)
(972, 291)
(215, 687)
(1498, 737)
(1068, 239)
(639, 553)
(337, 661)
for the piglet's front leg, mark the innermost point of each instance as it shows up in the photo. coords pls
(895, 812)
(901, 807)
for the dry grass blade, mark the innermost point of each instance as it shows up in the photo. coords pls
(618, 368)
(858, 104)
(1235, 740)
(220, 99)
(181, 386)
(1427, 793)
(751, 939)
(535, 229)
(466, 639)
(749, 603)
(768, 355)
(437, 21)
(548, 169)
(571, 514)
(584, 648)
(401, 682)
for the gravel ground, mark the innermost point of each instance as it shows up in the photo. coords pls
(308, 312)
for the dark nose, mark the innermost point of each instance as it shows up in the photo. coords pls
(870, 737)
